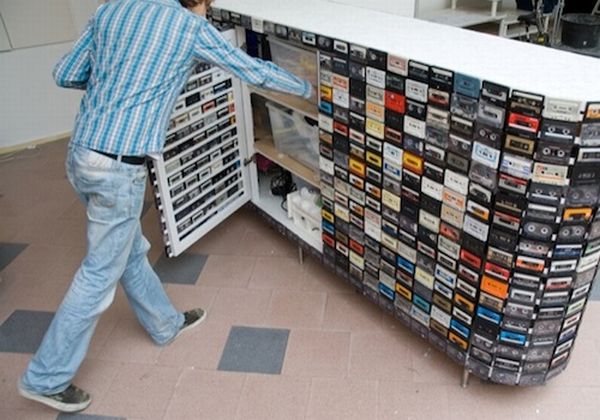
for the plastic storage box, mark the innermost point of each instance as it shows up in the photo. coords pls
(304, 210)
(301, 62)
(295, 135)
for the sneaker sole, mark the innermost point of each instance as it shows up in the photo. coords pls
(192, 325)
(57, 405)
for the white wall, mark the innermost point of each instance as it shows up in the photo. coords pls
(32, 107)
(424, 6)
(398, 7)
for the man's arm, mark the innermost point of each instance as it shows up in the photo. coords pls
(73, 70)
(210, 46)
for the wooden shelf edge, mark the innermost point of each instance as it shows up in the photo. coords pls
(266, 147)
(295, 103)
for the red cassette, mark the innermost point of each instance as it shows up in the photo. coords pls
(328, 240)
(497, 271)
(470, 259)
(523, 122)
(395, 102)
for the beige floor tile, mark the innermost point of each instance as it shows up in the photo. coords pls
(96, 377)
(342, 399)
(206, 395)
(266, 242)
(351, 312)
(399, 399)
(317, 353)
(106, 325)
(379, 355)
(227, 271)
(201, 347)
(296, 309)
(268, 397)
(317, 278)
(431, 366)
(140, 390)
(36, 261)
(584, 365)
(240, 307)
(42, 413)
(34, 293)
(12, 366)
(185, 297)
(277, 273)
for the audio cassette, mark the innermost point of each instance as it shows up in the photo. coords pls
(466, 288)
(454, 199)
(491, 115)
(538, 231)
(467, 85)
(543, 213)
(534, 248)
(511, 203)
(526, 103)
(486, 155)
(590, 134)
(484, 175)
(464, 106)
(497, 271)
(357, 88)
(516, 166)
(523, 124)
(414, 127)
(498, 256)
(357, 106)
(452, 216)
(563, 110)
(585, 173)
(416, 90)
(520, 146)
(556, 174)
(376, 77)
(358, 74)
(418, 71)
(438, 118)
(491, 302)
(559, 131)
(375, 94)
(588, 155)
(441, 79)
(523, 296)
(439, 98)
(513, 338)
(488, 135)
(416, 109)
(436, 136)
(434, 153)
(584, 195)
(552, 152)
(457, 144)
(461, 126)
(475, 228)
(578, 214)
(592, 111)
(375, 128)
(470, 259)
(340, 66)
(466, 273)
(324, 43)
(480, 194)
(506, 221)
(495, 93)
(397, 103)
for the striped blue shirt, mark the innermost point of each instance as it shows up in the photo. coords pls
(134, 58)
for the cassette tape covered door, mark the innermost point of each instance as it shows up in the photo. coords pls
(201, 177)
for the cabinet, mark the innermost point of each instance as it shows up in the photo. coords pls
(458, 194)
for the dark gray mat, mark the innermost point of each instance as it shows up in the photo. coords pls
(23, 331)
(8, 252)
(257, 350)
(184, 269)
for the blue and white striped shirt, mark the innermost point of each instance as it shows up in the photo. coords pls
(134, 58)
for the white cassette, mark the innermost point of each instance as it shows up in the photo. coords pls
(425, 278)
(341, 98)
(392, 154)
(445, 276)
(452, 216)
(438, 118)
(457, 182)
(416, 90)
(476, 228)
(326, 165)
(563, 110)
(432, 189)
(342, 212)
(443, 290)
(429, 221)
(375, 95)
(373, 224)
(516, 166)
(550, 174)
(407, 252)
(326, 123)
(326, 78)
(440, 316)
(357, 260)
(485, 155)
(449, 247)
(376, 77)
(414, 127)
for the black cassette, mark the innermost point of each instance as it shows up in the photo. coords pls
(558, 131)
(341, 173)
(340, 143)
(546, 328)
(394, 120)
(393, 136)
(571, 233)
(504, 377)
(377, 59)
(392, 185)
(326, 151)
(530, 281)
(481, 355)
(500, 257)
(410, 180)
(358, 106)
(457, 162)
(342, 226)
(473, 245)
(483, 175)
(494, 93)
(325, 62)
(551, 313)
(374, 145)
(394, 82)
(585, 173)
(552, 152)
(357, 122)
(413, 145)
(407, 238)
(427, 237)
(447, 261)
(341, 238)
(324, 43)
(434, 172)
(518, 310)
(584, 195)
(439, 98)
(294, 35)
(433, 206)
(441, 79)
(436, 136)
(423, 291)
(434, 153)
(485, 327)
(511, 203)
(535, 248)
(488, 135)
(512, 184)
(408, 207)
(388, 255)
(281, 31)
(464, 106)
(480, 194)
(487, 343)
(389, 228)
(416, 109)
(545, 193)
(511, 352)
(340, 158)
(462, 126)
(373, 245)
(358, 54)
(590, 134)
(358, 88)
(504, 240)
(340, 66)
(459, 145)
(418, 71)
(341, 114)
(358, 72)
(390, 215)
(340, 47)
(426, 250)
(543, 213)
(525, 103)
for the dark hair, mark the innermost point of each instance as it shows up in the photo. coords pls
(191, 3)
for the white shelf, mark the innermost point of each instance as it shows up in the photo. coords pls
(296, 103)
(271, 205)
(462, 17)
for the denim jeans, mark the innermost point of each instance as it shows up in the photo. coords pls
(113, 193)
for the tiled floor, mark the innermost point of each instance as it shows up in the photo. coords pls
(281, 341)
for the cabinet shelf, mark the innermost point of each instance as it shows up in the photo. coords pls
(293, 102)
(265, 146)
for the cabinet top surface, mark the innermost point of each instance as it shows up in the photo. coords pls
(519, 65)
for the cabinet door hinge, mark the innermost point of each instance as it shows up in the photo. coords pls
(251, 159)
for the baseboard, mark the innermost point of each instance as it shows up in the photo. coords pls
(32, 143)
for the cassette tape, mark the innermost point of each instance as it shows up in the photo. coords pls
(340, 159)
(592, 111)
(376, 77)
(426, 250)
(467, 85)
(578, 214)
(484, 343)
(358, 75)
(342, 115)
(475, 228)
(469, 275)
(357, 88)
(591, 247)
(552, 152)
(583, 195)
(491, 115)
(491, 317)
(502, 239)
(486, 155)
(445, 276)
(357, 106)
(456, 182)
(506, 221)
(494, 287)
(480, 194)
(434, 153)
(452, 216)
(538, 231)
(562, 110)
(464, 106)
(491, 302)
(524, 296)
(526, 103)
(590, 134)
(520, 279)
(588, 155)
(433, 172)
(375, 95)
(461, 330)
(497, 271)
(514, 204)
(488, 135)
(462, 126)
(457, 162)
(340, 66)
(545, 193)
(555, 174)
(416, 109)
(416, 90)
(555, 298)
(516, 325)
(500, 257)
(415, 127)
(519, 145)
(470, 259)
(439, 98)
(523, 124)
(513, 338)
(483, 175)
(418, 71)
(457, 145)
(519, 310)
(559, 283)
(516, 166)
(464, 287)
(543, 213)
(588, 262)
(438, 118)
(494, 93)
(535, 248)
(571, 233)
(585, 173)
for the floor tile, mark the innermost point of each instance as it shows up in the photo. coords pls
(317, 353)
(186, 297)
(240, 306)
(80, 416)
(296, 309)
(147, 206)
(8, 252)
(23, 331)
(267, 397)
(406, 400)
(379, 355)
(351, 312)
(184, 269)
(206, 395)
(47, 414)
(342, 399)
(140, 390)
(96, 377)
(227, 271)
(277, 273)
(258, 350)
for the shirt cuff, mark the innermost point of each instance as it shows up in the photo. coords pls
(308, 90)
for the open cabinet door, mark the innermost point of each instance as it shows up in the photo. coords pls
(201, 177)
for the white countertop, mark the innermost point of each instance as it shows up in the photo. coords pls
(519, 65)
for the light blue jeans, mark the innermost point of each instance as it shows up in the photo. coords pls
(113, 193)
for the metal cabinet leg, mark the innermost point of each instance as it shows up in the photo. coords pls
(465, 378)
(300, 255)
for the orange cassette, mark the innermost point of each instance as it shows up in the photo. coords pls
(356, 247)
(413, 163)
(470, 259)
(494, 287)
(497, 271)
(357, 167)
(576, 214)
(464, 302)
(459, 341)
(326, 93)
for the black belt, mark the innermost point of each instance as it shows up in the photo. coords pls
(131, 160)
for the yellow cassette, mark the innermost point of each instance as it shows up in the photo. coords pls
(459, 341)
(375, 128)
(376, 111)
(374, 159)
(403, 291)
(584, 213)
(326, 93)
(390, 200)
(413, 163)
(356, 167)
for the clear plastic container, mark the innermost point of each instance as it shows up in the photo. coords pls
(300, 62)
(294, 135)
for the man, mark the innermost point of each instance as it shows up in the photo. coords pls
(132, 59)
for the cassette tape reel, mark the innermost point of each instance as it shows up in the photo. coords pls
(571, 233)
(538, 231)
(552, 152)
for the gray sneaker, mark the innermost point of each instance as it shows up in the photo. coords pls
(192, 318)
(70, 400)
